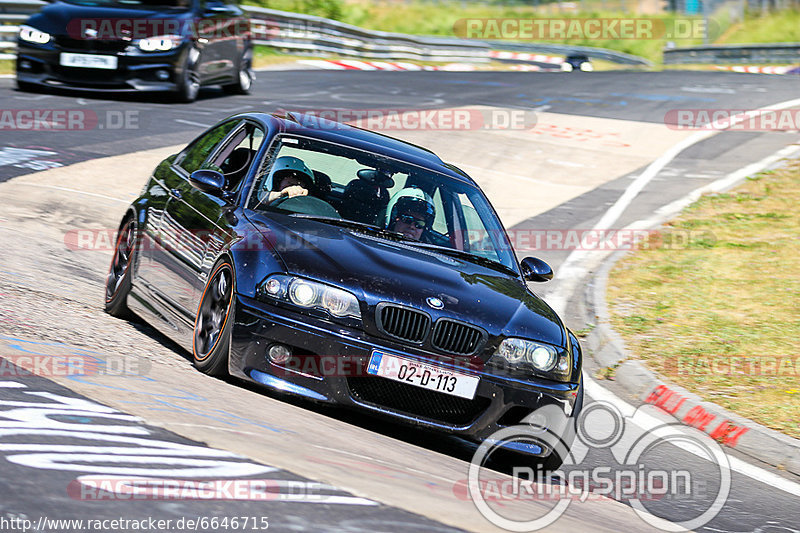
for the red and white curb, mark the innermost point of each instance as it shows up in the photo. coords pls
(519, 56)
(787, 69)
(352, 64)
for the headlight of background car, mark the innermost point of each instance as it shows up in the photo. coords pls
(520, 354)
(311, 295)
(32, 35)
(159, 43)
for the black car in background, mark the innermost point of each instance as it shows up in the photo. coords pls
(143, 45)
(390, 287)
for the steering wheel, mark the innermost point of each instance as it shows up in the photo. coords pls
(306, 205)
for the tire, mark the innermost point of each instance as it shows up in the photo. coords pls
(554, 461)
(188, 85)
(214, 321)
(118, 279)
(245, 76)
(28, 87)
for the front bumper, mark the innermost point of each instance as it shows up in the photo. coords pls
(499, 401)
(40, 65)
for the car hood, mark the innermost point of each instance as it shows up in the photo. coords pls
(378, 269)
(61, 18)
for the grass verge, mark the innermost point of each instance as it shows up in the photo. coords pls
(728, 287)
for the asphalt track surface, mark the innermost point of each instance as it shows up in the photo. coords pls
(29, 491)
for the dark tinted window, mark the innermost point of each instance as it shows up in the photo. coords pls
(197, 152)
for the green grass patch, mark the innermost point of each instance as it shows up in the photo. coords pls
(728, 288)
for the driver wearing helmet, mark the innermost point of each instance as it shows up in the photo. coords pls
(290, 177)
(411, 212)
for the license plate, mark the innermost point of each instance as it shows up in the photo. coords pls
(422, 375)
(88, 61)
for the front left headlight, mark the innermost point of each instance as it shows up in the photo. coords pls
(311, 295)
(159, 43)
(32, 35)
(522, 354)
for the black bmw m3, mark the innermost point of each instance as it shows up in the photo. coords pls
(136, 45)
(341, 265)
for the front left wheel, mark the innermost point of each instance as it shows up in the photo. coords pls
(244, 77)
(212, 327)
(118, 280)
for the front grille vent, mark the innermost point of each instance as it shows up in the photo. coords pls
(456, 338)
(403, 323)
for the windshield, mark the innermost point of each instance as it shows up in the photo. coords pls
(314, 178)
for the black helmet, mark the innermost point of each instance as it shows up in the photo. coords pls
(410, 200)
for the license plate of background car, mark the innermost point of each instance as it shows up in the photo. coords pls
(88, 61)
(422, 375)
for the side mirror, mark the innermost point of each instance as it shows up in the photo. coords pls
(534, 269)
(208, 181)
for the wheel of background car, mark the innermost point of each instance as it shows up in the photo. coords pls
(244, 77)
(212, 326)
(189, 84)
(306, 205)
(27, 87)
(118, 280)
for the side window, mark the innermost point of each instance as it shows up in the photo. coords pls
(439, 223)
(197, 152)
(238, 155)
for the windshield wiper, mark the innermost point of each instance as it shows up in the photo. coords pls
(461, 254)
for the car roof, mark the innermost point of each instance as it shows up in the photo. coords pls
(328, 130)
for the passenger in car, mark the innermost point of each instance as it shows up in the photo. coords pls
(410, 212)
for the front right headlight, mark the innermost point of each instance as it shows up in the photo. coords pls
(159, 43)
(32, 35)
(311, 295)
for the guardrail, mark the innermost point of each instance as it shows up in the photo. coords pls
(311, 35)
(735, 53)
(560, 49)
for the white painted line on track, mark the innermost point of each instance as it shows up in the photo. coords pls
(648, 423)
(66, 189)
(190, 123)
(579, 261)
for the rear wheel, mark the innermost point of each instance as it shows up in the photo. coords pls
(212, 327)
(118, 280)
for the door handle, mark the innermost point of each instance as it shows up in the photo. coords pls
(176, 193)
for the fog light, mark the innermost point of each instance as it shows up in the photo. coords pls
(278, 354)
(25, 65)
(162, 75)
